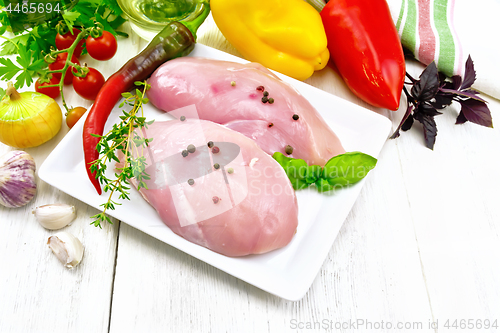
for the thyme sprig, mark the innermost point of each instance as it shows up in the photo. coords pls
(123, 138)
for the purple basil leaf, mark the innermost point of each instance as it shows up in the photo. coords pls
(428, 85)
(442, 78)
(470, 74)
(447, 85)
(430, 129)
(428, 109)
(456, 81)
(407, 124)
(477, 112)
(467, 93)
(442, 100)
(396, 133)
(461, 119)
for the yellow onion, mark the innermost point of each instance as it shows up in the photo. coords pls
(28, 119)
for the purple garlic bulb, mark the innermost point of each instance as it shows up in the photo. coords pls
(17, 179)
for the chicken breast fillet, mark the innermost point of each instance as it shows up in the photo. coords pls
(217, 188)
(231, 94)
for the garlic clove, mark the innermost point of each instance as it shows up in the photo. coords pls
(67, 248)
(55, 216)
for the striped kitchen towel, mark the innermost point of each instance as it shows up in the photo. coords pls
(448, 31)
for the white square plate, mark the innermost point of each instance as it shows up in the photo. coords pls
(287, 272)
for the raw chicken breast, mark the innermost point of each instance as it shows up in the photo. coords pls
(232, 198)
(227, 93)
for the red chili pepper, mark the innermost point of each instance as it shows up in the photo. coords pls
(365, 47)
(175, 40)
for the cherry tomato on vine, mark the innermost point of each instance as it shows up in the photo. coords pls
(102, 48)
(65, 41)
(52, 92)
(74, 115)
(88, 86)
(59, 64)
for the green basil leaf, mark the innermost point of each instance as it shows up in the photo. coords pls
(314, 173)
(281, 159)
(323, 185)
(348, 168)
(295, 169)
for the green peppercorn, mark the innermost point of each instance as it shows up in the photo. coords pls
(271, 100)
(191, 182)
(230, 170)
(266, 93)
(216, 166)
(183, 118)
(191, 149)
(233, 83)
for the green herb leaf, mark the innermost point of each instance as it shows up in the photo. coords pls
(12, 45)
(122, 138)
(339, 171)
(8, 69)
(30, 45)
(348, 168)
(70, 19)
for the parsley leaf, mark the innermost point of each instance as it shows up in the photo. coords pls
(30, 45)
(8, 70)
(70, 19)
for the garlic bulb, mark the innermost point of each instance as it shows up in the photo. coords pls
(55, 216)
(67, 248)
(17, 179)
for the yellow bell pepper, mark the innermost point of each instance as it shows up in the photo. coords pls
(284, 35)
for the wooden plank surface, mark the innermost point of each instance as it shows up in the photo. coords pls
(420, 245)
(37, 294)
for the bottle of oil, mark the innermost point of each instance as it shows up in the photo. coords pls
(155, 14)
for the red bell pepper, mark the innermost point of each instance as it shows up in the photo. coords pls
(365, 47)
